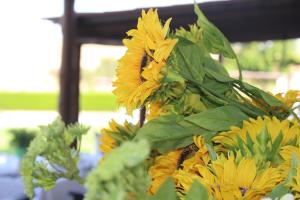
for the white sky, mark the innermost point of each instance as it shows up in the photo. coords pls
(30, 47)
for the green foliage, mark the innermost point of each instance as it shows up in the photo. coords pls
(278, 192)
(50, 156)
(166, 191)
(48, 101)
(213, 38)
(266, 56)
(170, 132)
(21, 137)
(121, 175)
(190, 65)
(197, 191)
(218, 119)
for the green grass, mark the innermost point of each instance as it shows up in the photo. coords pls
(49, 101)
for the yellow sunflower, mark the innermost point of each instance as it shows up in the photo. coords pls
(164, 167)
(295, 184)
(289, 98)
(228, 179)
(147, 46)
(107, 142)
(201, 157)
(290, 131)
(125, 132)
(287, 152)
(154, 110)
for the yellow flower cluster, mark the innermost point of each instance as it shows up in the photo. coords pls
(139, 70)
(229, 176)
(253, 127)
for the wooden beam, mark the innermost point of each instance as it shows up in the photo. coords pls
(70, 70)
(239, 20)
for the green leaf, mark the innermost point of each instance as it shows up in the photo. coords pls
(278, 192)
(293, 169)
(241, 145)
(268, 98)
(276, 147)
(189, 60)
(217, 87)
(173, 76)
(166, 191)
(249, 143)
(196, 192)
(213, 38)
(216, 70)
(211, 151)
(168, 145)
(169, 127)
(218, 119)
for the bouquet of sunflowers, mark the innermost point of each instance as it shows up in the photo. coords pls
(201, 135)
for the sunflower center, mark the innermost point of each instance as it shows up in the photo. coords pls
(142, 66)
(243, 190)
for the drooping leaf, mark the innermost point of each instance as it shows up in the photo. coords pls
(188, 60)
(216, 70)
(213, 38)
(169, 127)
(196, 192)
(218, 88)
(218, 119)
(168, 145)
(268, 98)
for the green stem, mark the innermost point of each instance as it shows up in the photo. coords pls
(239, 68)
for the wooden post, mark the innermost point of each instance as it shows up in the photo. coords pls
(70, 69)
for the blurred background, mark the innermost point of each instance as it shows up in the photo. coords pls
(31, 56)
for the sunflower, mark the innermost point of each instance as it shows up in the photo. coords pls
(138, 71)
(107, 142)
(287, 153)
(295, 184)
(164, 166)
(289, 98)
(253, 127)
(123, 133)
(201, 157)
(154, 110)
(227, 178)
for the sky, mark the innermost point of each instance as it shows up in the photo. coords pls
(30, 46)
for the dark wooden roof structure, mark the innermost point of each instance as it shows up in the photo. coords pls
(239, 20)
